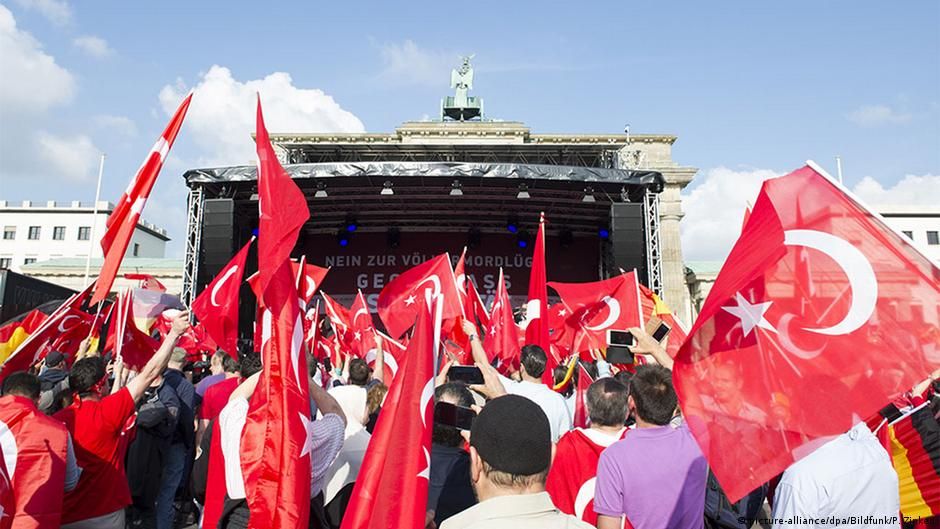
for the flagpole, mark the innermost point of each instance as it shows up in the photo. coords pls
(94, 222)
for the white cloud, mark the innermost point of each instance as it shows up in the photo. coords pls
(222, 116)
(122, 125)
(56, 11)
(408, 64)
(32, 81)
(714, 210)
(875, 115)
(73, 157)
(93, 46)
(911, 190)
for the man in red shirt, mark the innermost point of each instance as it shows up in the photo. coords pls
(37, 455)
(216, 396)
(98, 425)
(573, 473)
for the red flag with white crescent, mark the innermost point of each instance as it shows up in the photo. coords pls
(599, 306)
(32, 349)
(398, 301)
(392, 487)
(309, 278)
(536, 322)
(502, 336)
(123, 220)
(765, 379)
(217, 305)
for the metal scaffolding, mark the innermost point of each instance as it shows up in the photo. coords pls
(653, 250)
(195, 204)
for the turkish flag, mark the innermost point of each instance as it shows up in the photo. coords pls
(309, 278)
(338, 314)
(581, 417)
(398, 301)
(74, 327)
(361, 335)
(764, 379)
(33, 348)
(123, 220)
(572, 476)
(536, 325)
(654, 306)
(128, 342)
(276, 439)
(393, 354)
(217, 305)
(611, 304)
(502, 336)
(392, 487)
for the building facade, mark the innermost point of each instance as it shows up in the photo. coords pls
(34, 232)
(69, 272)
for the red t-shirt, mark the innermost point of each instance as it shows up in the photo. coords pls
(217, 397)
(98, 431)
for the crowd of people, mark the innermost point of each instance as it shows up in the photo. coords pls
(101, 447)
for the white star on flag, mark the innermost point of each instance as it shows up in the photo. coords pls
(357, 336)
(410, 300)
(308, 426)
(750, 314)
(562, 312)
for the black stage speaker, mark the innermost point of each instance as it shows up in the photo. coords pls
(218, 235)
(627, 237)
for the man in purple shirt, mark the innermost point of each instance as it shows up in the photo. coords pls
(656, 475)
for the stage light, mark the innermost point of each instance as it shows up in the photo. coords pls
(603, 232)
(342, 238)
(351, 225)
(523, 191)
(456, 189)
(512, 224)
(588, 194)
(387, 188)
(522, 239)
(393, 237)
(321, 191)
(254, 232)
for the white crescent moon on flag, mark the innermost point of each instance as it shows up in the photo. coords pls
(462, 281)
(225, 277)
(855, 266)
(613, 315)
(437, 285)
(311, 287)
(783, 331)
(584, 497)
(427, 394)
(390, 361)
(363, 310)
(8, 446)
(65, 319)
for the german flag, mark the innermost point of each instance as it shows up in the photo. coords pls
(16, 331)
(914, 445)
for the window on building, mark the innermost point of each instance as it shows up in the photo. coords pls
(933, 237)
(84, 233)
(29, 260)
(908, 234)
(9, 233)
(5, 262)
(34, 233)
(58, 233)
(136, 249)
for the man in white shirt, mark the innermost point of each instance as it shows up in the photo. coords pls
(848, 477)
(533, 360)
(327, 440)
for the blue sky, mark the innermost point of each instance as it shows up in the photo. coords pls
(751, 89)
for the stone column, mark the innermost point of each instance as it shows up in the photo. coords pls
(675, 290)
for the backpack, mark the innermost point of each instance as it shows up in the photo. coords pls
(722, 514)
